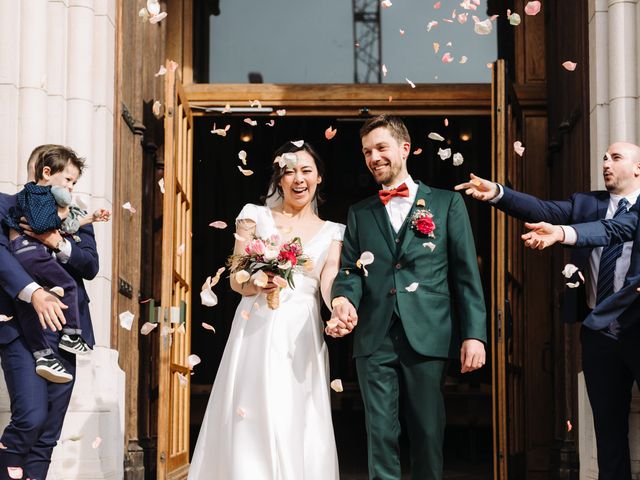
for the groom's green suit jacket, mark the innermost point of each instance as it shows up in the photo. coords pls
(448, 304)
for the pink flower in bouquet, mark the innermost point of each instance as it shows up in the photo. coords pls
(288, 256)
(255, 247)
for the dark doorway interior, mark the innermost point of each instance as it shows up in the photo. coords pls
(220, 191)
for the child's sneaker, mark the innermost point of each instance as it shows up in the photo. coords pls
(50, 368)
(73, 344)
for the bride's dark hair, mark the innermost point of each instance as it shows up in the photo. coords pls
(278, 171)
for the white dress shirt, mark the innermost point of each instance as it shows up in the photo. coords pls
(398, 207)
(623, 262)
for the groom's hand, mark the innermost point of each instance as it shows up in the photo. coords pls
(345, 315)
(472, 355)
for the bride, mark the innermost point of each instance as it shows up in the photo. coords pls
(269, 414)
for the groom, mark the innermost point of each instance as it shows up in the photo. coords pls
(413, 303)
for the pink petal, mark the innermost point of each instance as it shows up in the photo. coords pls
(96, 443)
(246, 173)
(218, 224)
(15, 472)
(281, 113)
(330, 132)
(161, 71)
(386, 3)
(4, 318)
(248, 121)
(158, 18)
(270, 123)
(147, 328)
(417, 151)
(180, 250)
(448, 20)
(240, 412)
(390, 98)
(206, 326)
(518, 148)
(431, 24)
(226, 109)
(569, 426)
(447, 58)
(244, 314)
(401, 32)
(279, 281)
(446, 122)
(436, 5)
(568, 65)
(336, 385)
(239, 238)
(532, 8)
(463, 17)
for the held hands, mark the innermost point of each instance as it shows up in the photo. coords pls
(479, 188)
(49, 309)
(344, 318)
(472, 355)
(542, 235)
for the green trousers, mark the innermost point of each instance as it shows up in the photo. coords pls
(396, 370)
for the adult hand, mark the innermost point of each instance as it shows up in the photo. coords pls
(479, 188)
(542, 235)
(270, 286)
(345, 315)
(49, 309)
(50, 238)
(472, 355)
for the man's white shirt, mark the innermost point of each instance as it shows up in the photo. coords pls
(399, 207)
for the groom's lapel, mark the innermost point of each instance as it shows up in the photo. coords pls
(382, 219)
(422, 195)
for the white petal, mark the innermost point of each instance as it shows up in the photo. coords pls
(242, 276)
(242, 155)
(206, 326)
(570, 66)
(239, 238)
(96, 442)
(161, 185)
(518, 148)
(153, 7)
(336, 385)
(157, 109)
(386, 3)
(158, 18)
(59, 291)
(444, 153)
(429, 245)
(413, 287)
(413, 85)
(147, 328)
(260, 279)
(281, 112)
(366, 258)
(573, 285)
(180, 250)
(436, 136)
(248, 121)
(208, 298)
(161, 71)
(246, 173)
(182, 380)
(568, 270)
(298, 143)
(193, 360)
(457, 159)
(15, 472)
(483, 28)
(4, 318)
(126, 319)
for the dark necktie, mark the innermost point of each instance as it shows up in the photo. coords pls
(610, 255)
(401, 191)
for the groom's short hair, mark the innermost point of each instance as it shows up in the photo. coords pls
(395, 125)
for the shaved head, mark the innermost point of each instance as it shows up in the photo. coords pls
(621, 168)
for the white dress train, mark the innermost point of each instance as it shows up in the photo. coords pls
(269, 414)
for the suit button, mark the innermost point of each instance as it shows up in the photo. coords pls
(393, 291)
(398, 266)
(397, 240)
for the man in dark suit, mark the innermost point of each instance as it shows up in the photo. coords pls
(609, 356)
(38, 407)
(419, 302)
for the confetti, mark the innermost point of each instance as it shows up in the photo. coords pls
(147, 328)
(218, 224)
(457, 159)
(384, 70)
(518, 148)
(248, 121)
(336, 385)
(239, 238)
(4, 318)
(180, 250)
(435, 136)
(270, 123)
(386, 3)
(446, 122)
(462, 18)
(437, 5)
(532, 8)
(444, 153)
(413, 85)
(157, 109)
(206, 326)
(413, 287)
(59, 291)
(246, 173)
(463, 59)
(436, 47)
(161, 185)
(330, 132)
(127, 206)
(429, 245)
(240, 412)
(447, 58)
(298, 143)
(431, 24)
(514, 18)
(570, 66)
(366, 258)
(260, 279)
(126, 319)
(417, 151)
(568, 270)
(242, 155)
(483, 28)
(220, 131)
(242, 276)
(569, 426)
(244, 314)
(182, 380)
(161, 71)
(573, 285)
(193, 360)
(281, 113)
(256, 103)
(96, 442)
(401, 32)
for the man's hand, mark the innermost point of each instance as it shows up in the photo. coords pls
(49, 309)
(472, 355)
(344, 318)
(542, 235)
(479, 188)
(50, 238)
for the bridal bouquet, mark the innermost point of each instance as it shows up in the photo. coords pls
(267, 259)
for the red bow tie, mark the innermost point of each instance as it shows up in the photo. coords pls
(386, 195)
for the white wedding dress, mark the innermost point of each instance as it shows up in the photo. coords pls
(269, 414)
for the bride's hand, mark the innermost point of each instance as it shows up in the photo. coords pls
(270, 286)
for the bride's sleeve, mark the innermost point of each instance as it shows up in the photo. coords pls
(248, 216)
(338, 232)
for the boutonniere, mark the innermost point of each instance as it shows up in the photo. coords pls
(422, 220)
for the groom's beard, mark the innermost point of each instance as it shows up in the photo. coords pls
(388, 176)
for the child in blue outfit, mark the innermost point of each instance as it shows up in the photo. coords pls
(44, 205)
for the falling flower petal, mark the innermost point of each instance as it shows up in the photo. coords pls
(206, 326)
(581, 276)
(165, 331)
(242, 155)
(157, 109)
(417, 151)
(182, 380)
(569, 426)
(514, 19)
(436, 5)
(366, 258)
(573, 285)
(248, 121)
(447, 58)
(220, 131)
(207, 297)
(463, 17)
(153, 7)
(240, 412)
(568, 270)
(147, 328)
(570, 66)
(532, 8)
(279, 281)
(4, 318)
(330, 132)
(336, 385)
(15, 472)
(435, 136)
(161, 185)
(256, 103)
(144, 14)
(226, 109)
(447, 20)
(158, 18)
(59, 291)
(127, 206)
(298, 143)
(401, 32)
(193, 360)
(457, 159)
(390, 98)
(413, 85)
(239, 238)
(126, 319)
(281, 113)
(463, 59)
(429, 245)
(180, 250)
(386, 3)
(260, 279)
(444, 153)
(242, 276)
(436, 47)
(518, 148)
(483, 28)
(218, 224)
(413, 287)
(246, 173)
(161, 71)
(96, 442)
(431, 24)
(384, 70)
(244, 314)
(270, 123)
